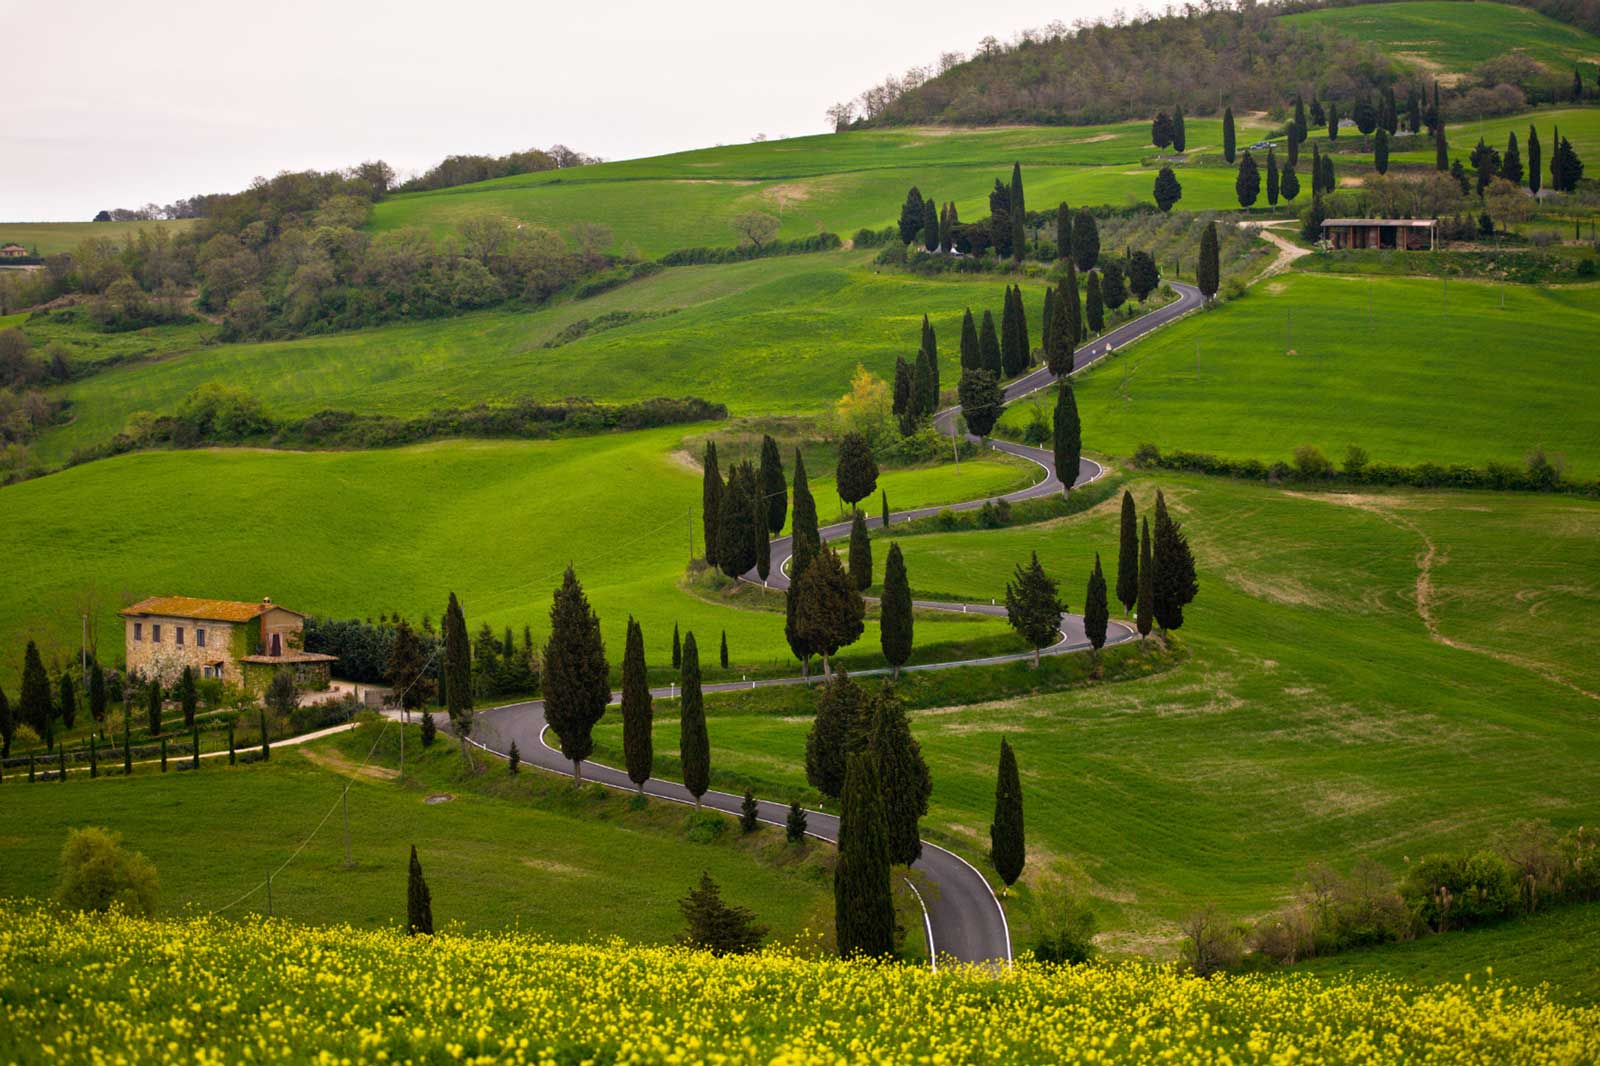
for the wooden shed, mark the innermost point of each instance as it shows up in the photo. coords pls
(1405, 234)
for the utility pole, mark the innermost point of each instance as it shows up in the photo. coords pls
(83, 647)
(1288, 331)
(689, 514)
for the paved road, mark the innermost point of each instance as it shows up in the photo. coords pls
(962, 917)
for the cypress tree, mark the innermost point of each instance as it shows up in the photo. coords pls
(1046, 324)
(677, 648)
(1032, 606)
(694, 746)
(1074, 305)
(513, 760)
(749, 809)
(896, 619)
(1128, 556)
(856, 473)
(1096, 610)
(1019, 214)
(971, 358)
(1085, 240)
(458, 674)
(883, 515)
(1534, 161)
(1180, 139)
(1024, 352)
(1511, 161)
(860, 553)
(1272, 177)
(1010, 358)
(741, 522)
(1329, 184)
(1059, 341)
(917, 409)
(1441, 149)
(1333, 121)
(1146, 605)
(1289, 184)
(1299, 132)
(1247, 186)
(901, 393)
(94, 756)
(1229, 140)
(61, 760)
(1208, 269)
(1094, 308)
(428, 730)
(1063, 231)
(982, 400)
(97, 693)
(8, 725)
(1007, 846)
(1001, 231)
(1316, 171)
(68, 703)
(863, 903)
(989, 347)
(911, 215)
(723, 654)
(839, 729)
(763, 550)
(774, 489)
(804, 531)
(828, 609)
(1380, 151)
(233, 752)
(930, 225)
(33, 706)
(1067, 436)
(152, 706)
(1161, 130)
(947, 221)
(638, 716)
(795, 828)
(576, 677)
(710, 501)
(195, 749)
(188, 695)
(930, 351)
(1174, 580)
(419, 902)
(266, 740)
(1113, 289)
(902, 776)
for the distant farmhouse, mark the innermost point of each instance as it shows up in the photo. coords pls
(13, 251)
(1404, 234)
(242, 643)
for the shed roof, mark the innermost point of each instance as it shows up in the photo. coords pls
(1420, 222)
(290, 657)
(210, 610)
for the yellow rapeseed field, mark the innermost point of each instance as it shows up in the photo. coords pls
(98, 989)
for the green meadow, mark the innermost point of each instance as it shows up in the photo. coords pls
(1448, 37)
(1412, 370)
(502, 853)
(1365, 676)
(352, 534)
(1580, 125)
(836, 182)
(48, 238)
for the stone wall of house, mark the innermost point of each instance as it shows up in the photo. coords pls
(165, 658)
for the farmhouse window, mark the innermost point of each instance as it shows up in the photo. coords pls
(180, 635)
(155, 633)
(138, 631)
(199, 638)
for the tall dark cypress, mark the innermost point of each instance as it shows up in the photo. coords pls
(971, 358)
(722, 654)
(8, 725)
(1128, 556)
(638, 716)
(1085, 240)
(896, 615)
(860, 552)
(863, 901)
(1174, 583)
(1511, 161)
(152, 708)
(419, 901)
(930, 225)
(1019, 214)
(1094, 305)
(1060, 343)
(1208, 268)
(67, 705)
(883, 513)
(839, 730)
(1008, 849)
(1380, 158)
(97, 693)
(694, 746)
(1023, 341)
(458, 673)
(1247, 185)
(741, 522)
(34, 706)
(1074, 305)
(1316, 171)
(577, 678)
(902, 402)
(1010, 342)
(1228, 137)
(677, 647)
(805, 535)
(1535, 162)
(1147, 572)
(930, 352)
(1063, 231)
(902, 776)
(1441, 149)
(188, 695)
(774, 489)
(989, 346)
(1096, 611)
(1066, 436)
(1272, 177)
(1046, 323)
(710, 501)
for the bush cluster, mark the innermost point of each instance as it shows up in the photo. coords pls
(820, 242)
(998, 514)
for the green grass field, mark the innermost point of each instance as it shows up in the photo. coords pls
(524, 853)
(48, 238)
(352, 534)
(1317, 717)
(1580, 125)
(837, 182)
(1453, 38)
(1434, 371)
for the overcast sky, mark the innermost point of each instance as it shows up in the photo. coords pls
(117, 105)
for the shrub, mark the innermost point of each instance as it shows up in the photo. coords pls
(1311, 464)
(1460, 891)
(1038, 431)
(313, 716)
(97, 873)
(705, 827)
(1065, 923)
(1211, 942)
(715, 926)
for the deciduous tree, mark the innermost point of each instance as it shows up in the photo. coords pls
(1033, 607)
(576, 676)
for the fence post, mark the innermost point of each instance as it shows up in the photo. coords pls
(233, 755)
(94, 758)
(196, 765)
(30, 768)
(61, 757)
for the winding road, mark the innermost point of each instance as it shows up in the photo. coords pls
(963, 919)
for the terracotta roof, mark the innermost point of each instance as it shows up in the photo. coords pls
(1380, 222)
(212, 610)
(291, 657)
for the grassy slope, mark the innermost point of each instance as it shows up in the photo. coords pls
(1439, 372)
(355, 533)
(1581, 126)
(503, 854)
(52, 237)
(1449, 37)
(837, 182)
(777, 335)
(1316, 719)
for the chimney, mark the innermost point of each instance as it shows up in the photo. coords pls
(266, 601)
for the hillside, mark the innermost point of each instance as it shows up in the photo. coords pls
(121, 987)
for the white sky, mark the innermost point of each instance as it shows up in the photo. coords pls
(116, 104)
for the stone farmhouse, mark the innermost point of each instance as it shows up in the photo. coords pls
(241, 643)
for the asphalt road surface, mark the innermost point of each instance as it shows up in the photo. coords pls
(962, 918)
